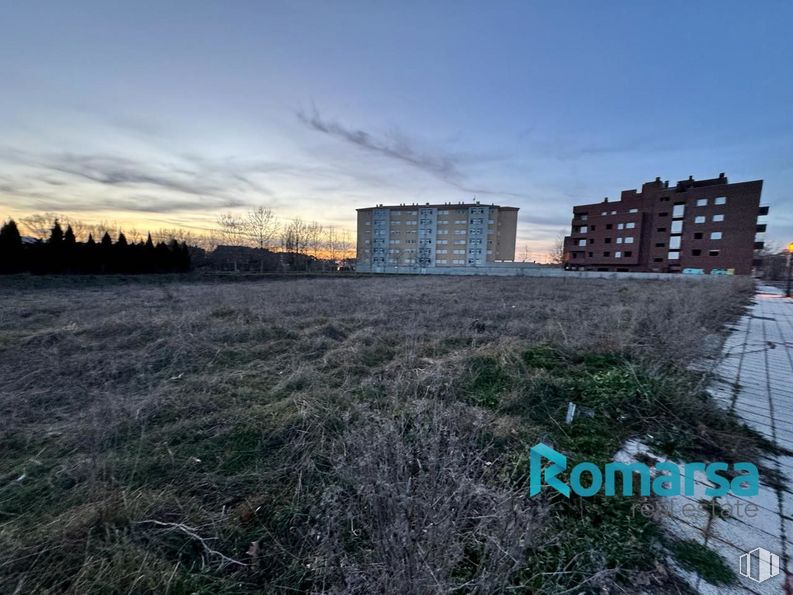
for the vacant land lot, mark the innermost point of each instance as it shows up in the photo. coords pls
(342, 435)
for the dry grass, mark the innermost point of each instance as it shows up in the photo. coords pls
(327, 435)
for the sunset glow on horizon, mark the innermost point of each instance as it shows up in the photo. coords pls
(164, 116)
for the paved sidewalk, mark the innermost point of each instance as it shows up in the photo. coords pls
(756, 382)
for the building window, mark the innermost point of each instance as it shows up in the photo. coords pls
(619, 240)
(630, 225)
(618, 255)
(713, 252)
(702, 202)
(664, 214)
(609, 226)
(591, 254)
(628, 253)
(658, 259)
(582, 242)
(664, 199)
(584, 229)
(583, 217)
(717, 218)
(715, 235)
(620, 226)
(677, 226)
(629, 240)
(607, 240)
(698, 235)
(696, 252)
(607, 254)
(673, 255)
(720, 200)
(661, 229)
(633, 210)
(678, 210)
(660, 245)
(591, 241)
(674, 243)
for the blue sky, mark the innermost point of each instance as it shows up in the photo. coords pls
(167, 113)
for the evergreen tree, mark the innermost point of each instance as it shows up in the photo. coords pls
(105, 259)
(70, 250)
(184, 258)
(121, 254)
(11, 252)
(54, 255)
(149, 255)
(89, 260)
(162, 257)
(56, 234)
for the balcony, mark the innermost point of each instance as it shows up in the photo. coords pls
(763, 210)
(760, 227)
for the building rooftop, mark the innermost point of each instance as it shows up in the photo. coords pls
(681, 186)
(456, 205)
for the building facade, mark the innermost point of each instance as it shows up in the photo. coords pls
(697, 226)
(412, 238)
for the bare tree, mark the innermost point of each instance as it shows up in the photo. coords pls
(337, 245)
(313, 239)
(556, 254)
(293, 236)
(260, 227)
(229, 229)
(526, 254)
(772, 261)
(38, 225)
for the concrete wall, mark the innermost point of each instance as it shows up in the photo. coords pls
(528, 270)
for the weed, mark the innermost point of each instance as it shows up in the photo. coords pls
(699, 558)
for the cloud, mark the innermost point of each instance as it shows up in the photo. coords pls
(396, 146)
(444, 165)
(52, 180)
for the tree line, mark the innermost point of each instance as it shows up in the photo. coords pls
(60, 252)
(259, 227)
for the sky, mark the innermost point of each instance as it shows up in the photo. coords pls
(165, 114)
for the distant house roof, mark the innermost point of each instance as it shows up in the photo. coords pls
(237, 251)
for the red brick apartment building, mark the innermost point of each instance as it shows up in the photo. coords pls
(696, 226)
